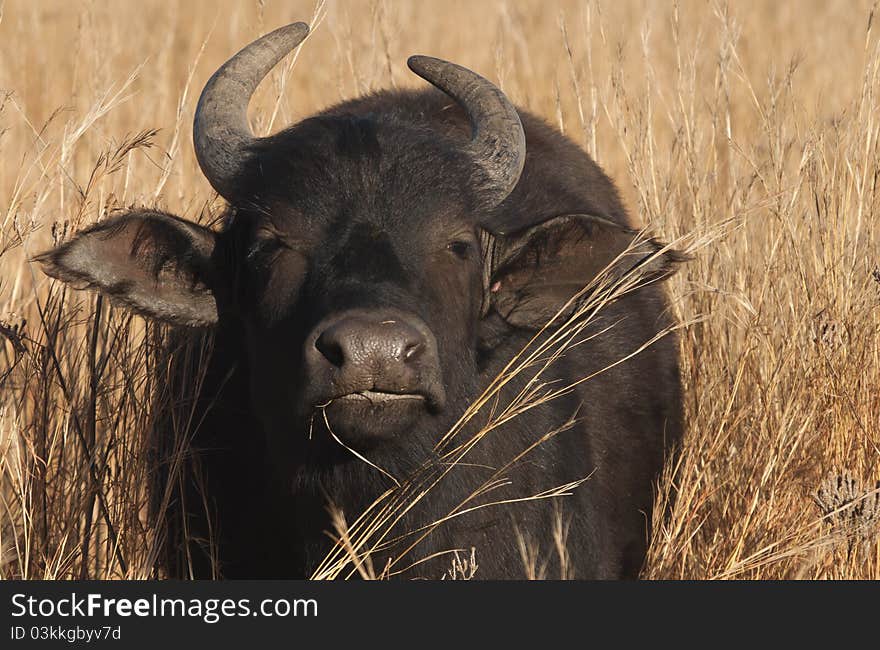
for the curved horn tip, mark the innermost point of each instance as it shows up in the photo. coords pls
(298, 29)
(221, 133)
(431, 68)
(418, 62)
(498, 138)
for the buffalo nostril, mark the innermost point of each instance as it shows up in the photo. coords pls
(331, 349)
(412, 350)
(356, 345)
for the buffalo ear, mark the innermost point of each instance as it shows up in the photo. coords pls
(536, 271)
(155, 263)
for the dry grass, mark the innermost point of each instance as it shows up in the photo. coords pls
(758, 119)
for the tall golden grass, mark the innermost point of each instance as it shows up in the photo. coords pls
(750, 124)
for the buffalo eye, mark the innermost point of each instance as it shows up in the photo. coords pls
(263, 249)
(460, 248)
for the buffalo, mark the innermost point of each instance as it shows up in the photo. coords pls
(378, 267)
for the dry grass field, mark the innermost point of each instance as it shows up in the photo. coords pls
(751, 129)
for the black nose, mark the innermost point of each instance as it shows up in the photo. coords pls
(370, 344)
(373, 351)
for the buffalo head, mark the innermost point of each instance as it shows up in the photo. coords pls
(355, 260)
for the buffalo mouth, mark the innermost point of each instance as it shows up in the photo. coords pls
(378, 397)
(368, 416)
